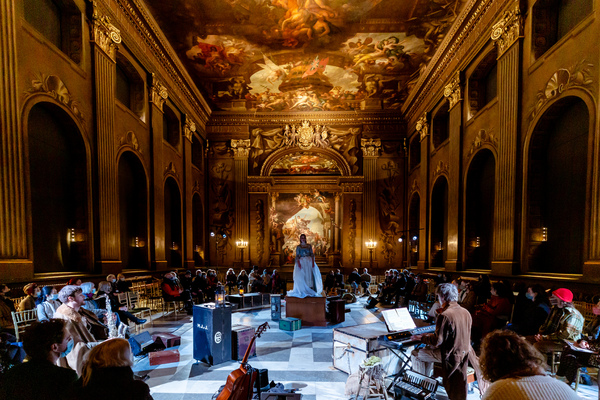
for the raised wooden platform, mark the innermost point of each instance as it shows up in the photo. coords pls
(311, 310)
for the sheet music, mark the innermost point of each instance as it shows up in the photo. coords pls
(398, 319)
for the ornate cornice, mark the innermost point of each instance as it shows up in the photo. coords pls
(189, 128)
(353, 187)
(578, 76)
(452, 91)
(104, 33)
(241, 148)
(158, 92)
(508, 30)
(53, 86)
(370, 147)
(422, 127)
(130, 140)
(322, 118)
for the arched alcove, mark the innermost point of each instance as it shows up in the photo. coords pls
(59, 191)
(479, 210)
(133, 212)
(316, 161)
(414, 225)
(556, 188)
(197, 229)
(173, 235)
(438, 234)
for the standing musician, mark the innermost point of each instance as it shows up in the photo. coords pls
(450, 344)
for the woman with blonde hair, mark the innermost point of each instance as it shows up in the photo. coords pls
(107, 374)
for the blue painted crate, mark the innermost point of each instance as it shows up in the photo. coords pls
(290, 324)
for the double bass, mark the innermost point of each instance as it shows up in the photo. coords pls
(240, 382)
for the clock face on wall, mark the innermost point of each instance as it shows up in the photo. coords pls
(305, 55)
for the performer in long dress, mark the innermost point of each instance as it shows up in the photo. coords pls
(307, 277)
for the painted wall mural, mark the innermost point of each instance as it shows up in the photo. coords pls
(309, 213)
(305, 55)
(304, 163)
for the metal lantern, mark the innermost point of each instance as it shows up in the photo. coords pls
(220, 296)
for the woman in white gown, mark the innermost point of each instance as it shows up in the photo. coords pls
(307, 277)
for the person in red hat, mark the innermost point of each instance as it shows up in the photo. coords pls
(563, 322)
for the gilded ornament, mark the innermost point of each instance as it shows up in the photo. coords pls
(158, 92)
(53, 86)
(508, 30)
(241, 147)
(131, 140)
(306, 136)
(481, 138)
(452, 91)
(422, 127)
(188, 129)
(440, 168)
(104, 33)
(370, 147)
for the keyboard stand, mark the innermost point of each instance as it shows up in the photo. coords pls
(400, 351)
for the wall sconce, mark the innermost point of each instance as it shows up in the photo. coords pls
(475, 242)
(415, 238)
(544, 234)
(73, 235)
(138, 242)
(175, 246)
(371, 246)
(241, 244)
(401, 239)
(212, 234)
(197, 248)
(438, 246)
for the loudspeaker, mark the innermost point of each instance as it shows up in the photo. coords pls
(140, 343)
(371, 302)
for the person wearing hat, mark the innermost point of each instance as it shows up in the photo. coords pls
(32, 291)
(563, 322)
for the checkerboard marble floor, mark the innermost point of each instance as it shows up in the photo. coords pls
(300, 359)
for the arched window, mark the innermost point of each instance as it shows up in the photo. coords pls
(133, 210)
(553, 19)
(479, 210)
(439, 222)
(482, 84)
(197, 153)
(439, 127)
(59, 190)
(59, 22)
(414, 152)
(556, 188)
(171, 127)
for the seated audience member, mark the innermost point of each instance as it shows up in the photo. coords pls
(266, 281)
(82, 324)
(365, 280)
(104, 292)
(449, 345)
(486, 317)
(199, 286)
(354, 280)
(40, 378)
(419, 291)
(469, 299)
(231, 280)
(536, 311)
(482, 288)
(88, 289)
(255, 280)
(276, 283)
(107, 374)
(47, 303)
(32, 291)
(186, 280)
(113, 282)
(339, 279)
(173, 291)
(517, 370)
(74, 281)
(243, 280)
(6, 308)
(122, 284)
(563, 322)
(252, 276)
(212, 281)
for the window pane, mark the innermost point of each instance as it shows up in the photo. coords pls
(44, 15)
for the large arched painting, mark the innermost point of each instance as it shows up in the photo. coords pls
(309, 213)
(304, 163)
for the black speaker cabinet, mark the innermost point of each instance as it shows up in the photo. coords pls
(212, 333)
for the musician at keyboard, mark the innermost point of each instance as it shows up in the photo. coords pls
(449, 345)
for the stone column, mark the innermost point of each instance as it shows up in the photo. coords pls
(13, 220)
(106, 37)
(507, 34)
(370, 149)
(158, 96)
(188, 227)
(422, 128)
(452, 92)
(241, 149)
(336, 231)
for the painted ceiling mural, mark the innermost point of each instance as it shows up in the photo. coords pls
(305, 55)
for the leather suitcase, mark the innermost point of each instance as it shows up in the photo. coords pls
(167, 339)
(241, 335)
(163, 357)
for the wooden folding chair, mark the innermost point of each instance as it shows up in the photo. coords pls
(23, 319)
(135, 309)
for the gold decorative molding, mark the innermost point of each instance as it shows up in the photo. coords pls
(104, 33)
(158, 92)
(352, 232)
(422, 127)
(196, 187)
(171, 170)
(189, 128)
(481, 139)
(414, 187)
(355, 187)
(370, 147)
(508, 30)
(53, 86)
(440, 169)
(260, 229)
(130, 140)
(241, 147)
(578, 76)
(306, 136)
(452, 91)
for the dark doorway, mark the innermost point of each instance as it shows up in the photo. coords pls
(133, 210)
(479, 226)
(439, 225)
(198, 230)
(58, 183)
(414, 216)
(173, 244)
(556, 188)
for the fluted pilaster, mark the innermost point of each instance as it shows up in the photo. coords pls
(422, 128)
(241, 149)
(13, 222)
(371, 149)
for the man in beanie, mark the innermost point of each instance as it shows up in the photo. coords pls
(32, 291)
(563, 322)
